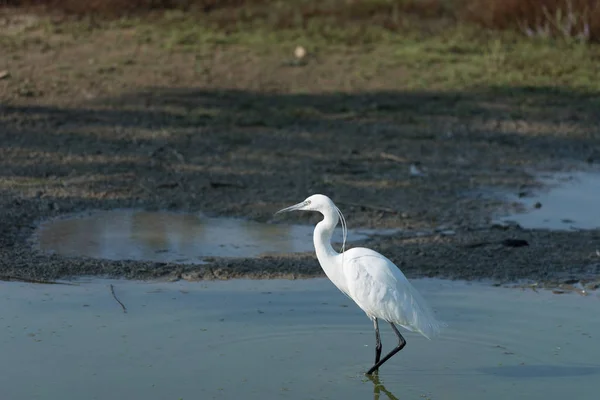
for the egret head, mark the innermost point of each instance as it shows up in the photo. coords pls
(316, 202)
(324, 205)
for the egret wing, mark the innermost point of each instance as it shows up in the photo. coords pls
(379, 287)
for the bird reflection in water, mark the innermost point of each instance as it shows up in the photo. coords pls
(379, 388)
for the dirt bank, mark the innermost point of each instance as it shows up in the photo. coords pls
(104, 123)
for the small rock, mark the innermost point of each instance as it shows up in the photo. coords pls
(300, 52)
(505, 225)
(537, 205)
(4, 74)
(515, 243)
(414, 170)
(571, 281)
(594, 157)
(448, 232)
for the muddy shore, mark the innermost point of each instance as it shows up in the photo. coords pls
(165, 138)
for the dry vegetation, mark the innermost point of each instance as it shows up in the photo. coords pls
(545, 18)
(571, 19)
(120, 7)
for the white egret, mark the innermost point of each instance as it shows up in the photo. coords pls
(375, 283)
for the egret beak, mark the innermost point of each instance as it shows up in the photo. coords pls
(292, 208)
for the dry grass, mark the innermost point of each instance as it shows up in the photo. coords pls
(351, 21)
(578, 19)
(345, 9)
(568, 19)
(387, 14)
(112, 8)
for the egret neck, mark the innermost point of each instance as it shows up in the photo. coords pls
(327, 256)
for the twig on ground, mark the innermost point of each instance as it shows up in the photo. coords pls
(112, 290)
(392, 157)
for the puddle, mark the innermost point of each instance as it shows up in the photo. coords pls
(571, 201)
(288, 339)
(173, 237)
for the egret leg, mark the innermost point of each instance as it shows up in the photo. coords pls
(401, 344)
(377, 341)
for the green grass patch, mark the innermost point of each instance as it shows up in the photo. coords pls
(434, 50)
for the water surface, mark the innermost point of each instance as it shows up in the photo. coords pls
(284, 339)
(570, 201)
(172, 237)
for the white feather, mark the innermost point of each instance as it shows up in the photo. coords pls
(382, 291)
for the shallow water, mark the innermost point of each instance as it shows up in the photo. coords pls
(288, 339)
(571, 201)
(172, 237)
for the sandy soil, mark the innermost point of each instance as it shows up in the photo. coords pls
(104, 123)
